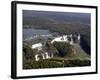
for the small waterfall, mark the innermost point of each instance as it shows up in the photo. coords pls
(47, 56)
(71, 42)
(52, 55)
(43, 56)
(36, 57)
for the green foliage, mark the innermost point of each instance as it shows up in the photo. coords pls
(76, 63)
(55, 63)
(28, 56)
(57, 59)
(42, 64)
(28, 53)
(63, 48)
(65, 58)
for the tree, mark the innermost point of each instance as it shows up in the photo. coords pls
(63, 48)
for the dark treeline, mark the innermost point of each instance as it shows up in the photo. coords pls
(85, 45)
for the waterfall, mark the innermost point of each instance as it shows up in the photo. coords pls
(36, 57)
(43, 56)
(47, 56)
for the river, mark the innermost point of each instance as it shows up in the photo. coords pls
(27, 33)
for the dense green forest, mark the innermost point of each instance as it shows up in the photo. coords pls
(65, 58)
